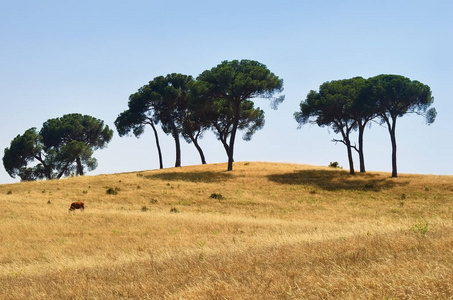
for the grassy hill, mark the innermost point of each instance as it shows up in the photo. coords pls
(263, 231)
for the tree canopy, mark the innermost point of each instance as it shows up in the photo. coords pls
(139, 114)
(227, 90)
(349, 104)
(222, 99)
(163, 100)
(195, 124)
(333, 106)
(219, 99)
(395, 96)
(63, 146)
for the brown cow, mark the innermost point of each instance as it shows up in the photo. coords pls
(77, 205)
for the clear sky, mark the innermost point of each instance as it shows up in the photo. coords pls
(60, 57)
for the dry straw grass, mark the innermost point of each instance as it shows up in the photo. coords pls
(263, 231)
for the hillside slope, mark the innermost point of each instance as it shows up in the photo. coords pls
(265, 230)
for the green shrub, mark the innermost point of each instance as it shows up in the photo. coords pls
(112, 191)
(216, 196)
(335, 165)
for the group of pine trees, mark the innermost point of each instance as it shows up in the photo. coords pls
(63, 147)
(219, 99)
(350, 104)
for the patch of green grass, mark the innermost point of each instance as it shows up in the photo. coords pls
(421, 227)
(184, 203)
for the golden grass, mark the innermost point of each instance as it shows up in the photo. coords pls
(263, 231)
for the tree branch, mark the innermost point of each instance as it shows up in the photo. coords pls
(339, 141)
(343, 142)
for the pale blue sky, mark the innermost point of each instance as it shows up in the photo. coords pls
(60, 57)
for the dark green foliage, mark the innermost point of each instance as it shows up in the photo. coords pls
(335, 106)
(139, 114)
(64, 146)
(396, 96)
(346, 105)
(216, 196)
(220, 99)
(225, 94)
(112, 191)
(335, 165)
(195, 123)
(25, 149)
(163, 100)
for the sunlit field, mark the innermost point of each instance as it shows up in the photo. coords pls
(263, 231)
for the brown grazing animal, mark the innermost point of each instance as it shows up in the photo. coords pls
(77, 205)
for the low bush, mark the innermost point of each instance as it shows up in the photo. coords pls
(335, 165)
(216, 196)
(112, 191)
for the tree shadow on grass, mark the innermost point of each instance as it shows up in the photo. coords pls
(206, 177)
(336, 180)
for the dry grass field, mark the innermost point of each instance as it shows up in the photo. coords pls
(263, 231)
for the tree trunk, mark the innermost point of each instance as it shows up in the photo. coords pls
(230, 150)
(393, 138)
(175, 134)
(178, 151)
(233, 137)
(63, 170)
(351, 161)
(79, 166)
(391, 128)
(361, 155)
(223, 139)
(47, 169)
(200, 151)
(347, 142)
(161, 164)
